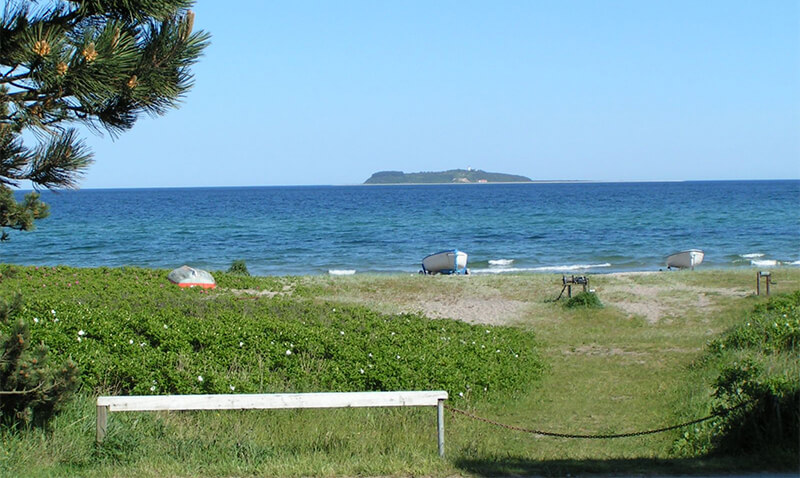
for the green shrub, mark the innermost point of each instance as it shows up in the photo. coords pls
(759, 376)
(33, 389)
(586, 300)
(144, 336)
(239, 268)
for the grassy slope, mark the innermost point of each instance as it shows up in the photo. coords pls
(609, 371)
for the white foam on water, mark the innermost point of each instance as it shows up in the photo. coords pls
(764, 263)
(751, 256)
(794, 263)
(501, 262)
(341, 272)
(574, 267)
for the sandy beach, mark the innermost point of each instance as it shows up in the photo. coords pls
(514, 299)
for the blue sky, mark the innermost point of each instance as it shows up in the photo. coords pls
(328, 92)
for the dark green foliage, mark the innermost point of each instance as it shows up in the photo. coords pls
(769, 421)
(585, 300)
(772, 327)
(143, 336)
(19, 216)
(759, 374)
(32, 388)
(100, 63)
(239, 268)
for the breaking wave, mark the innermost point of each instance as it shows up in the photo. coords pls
(565, 268)
(341, 272)
(764, 263)
(501, 262)
(751, 256)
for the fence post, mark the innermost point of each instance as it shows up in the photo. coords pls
(440, 425)
(102, 420)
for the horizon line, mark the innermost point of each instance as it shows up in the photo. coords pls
(539, 181)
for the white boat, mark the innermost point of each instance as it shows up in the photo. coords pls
(685, 259)
(186, 276)
(445, 262)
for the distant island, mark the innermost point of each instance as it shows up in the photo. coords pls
(445, 177)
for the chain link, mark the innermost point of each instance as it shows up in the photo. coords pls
(572, 435)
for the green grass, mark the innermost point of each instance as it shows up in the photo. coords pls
(607, 370)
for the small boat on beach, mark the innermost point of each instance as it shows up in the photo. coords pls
(445, 262)
(186, 276)
(685, 259)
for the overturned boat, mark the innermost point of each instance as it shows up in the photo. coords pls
(186, 276)
(685, 259)
(445, 262)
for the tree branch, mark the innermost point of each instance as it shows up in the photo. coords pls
(11, 79)
(21, 392)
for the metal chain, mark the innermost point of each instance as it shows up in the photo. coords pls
(617, 435)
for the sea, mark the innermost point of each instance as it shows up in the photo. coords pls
(571, 228)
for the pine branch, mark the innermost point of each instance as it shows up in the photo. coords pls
(25, 392)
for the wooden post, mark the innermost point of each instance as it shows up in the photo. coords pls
(768, 280)
(758, 283)
(102, 421)
(440, 426)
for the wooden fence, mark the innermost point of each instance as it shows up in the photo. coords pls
(144, 403)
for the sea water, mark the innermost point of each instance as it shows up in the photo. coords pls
(538, 227)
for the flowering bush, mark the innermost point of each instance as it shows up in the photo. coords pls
(132, 332)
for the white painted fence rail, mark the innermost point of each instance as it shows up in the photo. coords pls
(142, 403)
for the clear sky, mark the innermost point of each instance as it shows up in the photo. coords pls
(328, 92)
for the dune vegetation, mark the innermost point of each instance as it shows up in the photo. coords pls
(653, 350)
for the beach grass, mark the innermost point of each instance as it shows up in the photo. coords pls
(629, 366)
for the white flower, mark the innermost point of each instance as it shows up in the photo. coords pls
(152, 388)
(460, 394)
(53, 311)
(55, 320)
(79, 339)
(288, 352)
(35, 320)
(165, 326)
(130, 341)
(341, 332)
(241, 344)
(334, 309)
(497, 351)
(392, 334)
(81, 333)
(483, 346)
(398, 357)
(232, 387)
(516, 355)
(199, 378)
(361, 370)
(487, 331)
(141, 344)
(369, 355)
